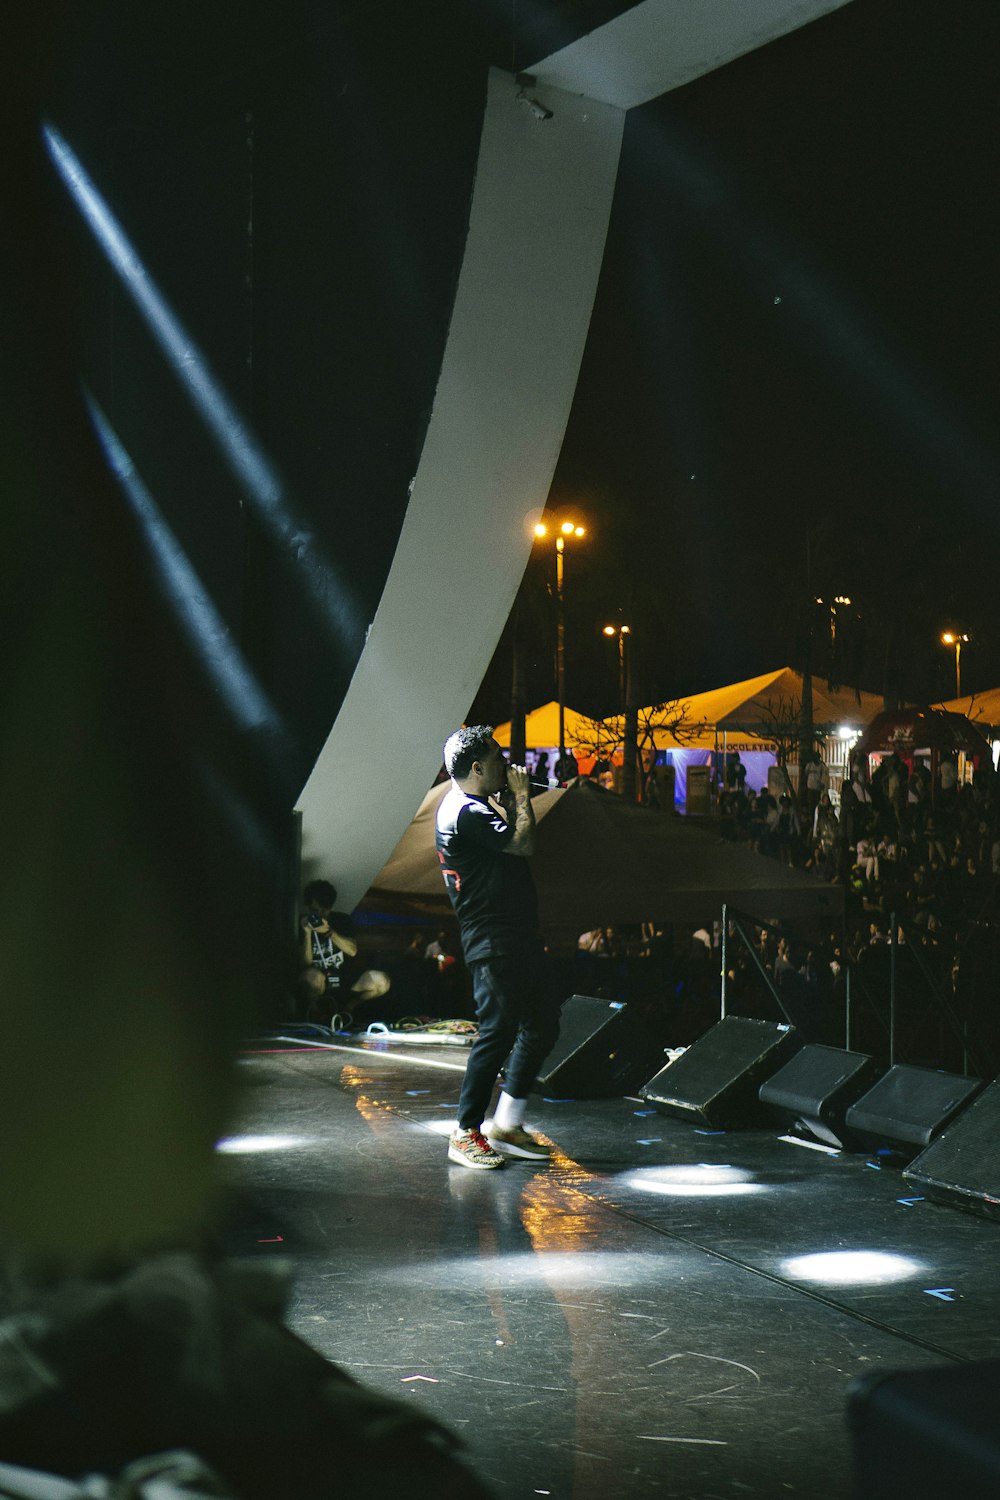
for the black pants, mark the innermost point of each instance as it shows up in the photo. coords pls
(514, 1018)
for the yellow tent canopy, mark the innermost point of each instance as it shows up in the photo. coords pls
(981, 709)
(756, 701)
(541, 730)
(743, 716)
(747, 713)
(693, 736)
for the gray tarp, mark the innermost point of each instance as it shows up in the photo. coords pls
(600, 863)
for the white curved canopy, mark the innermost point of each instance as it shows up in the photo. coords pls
(544, 185)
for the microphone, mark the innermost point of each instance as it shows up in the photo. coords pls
(550, 785)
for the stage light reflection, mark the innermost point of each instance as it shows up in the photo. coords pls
(237, 443)
(565, 1268)
(851, 1267)
(245, 1145)
(695, 1180)
(368, 1055)
(373, 1056)
(438, 1127)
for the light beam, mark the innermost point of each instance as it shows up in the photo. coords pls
(202, 622)
(245, 459)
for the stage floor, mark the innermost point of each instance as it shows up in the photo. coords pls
(638, 1318)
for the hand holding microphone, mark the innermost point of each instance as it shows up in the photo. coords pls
(518, 781)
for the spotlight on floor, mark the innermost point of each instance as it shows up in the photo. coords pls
(697, 1180)
(850, 1267)
(243, 1145)
(509, 1268)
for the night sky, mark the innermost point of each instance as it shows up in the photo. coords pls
(790, 384)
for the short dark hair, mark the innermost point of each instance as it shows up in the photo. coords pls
(320, 893)
(466, 745)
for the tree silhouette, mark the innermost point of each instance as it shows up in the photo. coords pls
(672, 717)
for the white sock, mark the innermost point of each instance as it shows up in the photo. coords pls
(509, 1112)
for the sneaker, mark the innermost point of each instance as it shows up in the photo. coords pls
(469, 1148)
(514, 1140)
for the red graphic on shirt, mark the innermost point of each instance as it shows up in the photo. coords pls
(452, 874)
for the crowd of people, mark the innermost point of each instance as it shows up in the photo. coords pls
(918, 852)
(921, 852)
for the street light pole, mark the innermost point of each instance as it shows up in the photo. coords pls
(630, 769)
(954, 638)
(833, 605)
(621, 631)
(567, 529)
(561, 646)
(629, 710)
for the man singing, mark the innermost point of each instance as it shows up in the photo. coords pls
(485, 830)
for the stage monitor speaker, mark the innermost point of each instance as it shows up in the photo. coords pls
(926, 1433)
(603, 1050)
(717, 1080)
(961, 1167)
(908, 1107)
(816, 1087)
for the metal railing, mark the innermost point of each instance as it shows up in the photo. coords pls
(738, 928)
(734, 923)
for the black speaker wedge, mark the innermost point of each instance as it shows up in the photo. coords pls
(961, 1167)
(603, 1051)
(908, 1107)
(816, 1087)
(716, 1081)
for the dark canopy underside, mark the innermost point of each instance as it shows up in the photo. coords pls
(600, 862)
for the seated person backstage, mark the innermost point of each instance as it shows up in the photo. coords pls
(328, 979)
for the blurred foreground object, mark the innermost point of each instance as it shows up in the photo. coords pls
(96, 1373)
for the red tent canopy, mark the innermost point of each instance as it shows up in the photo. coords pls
(910, 730)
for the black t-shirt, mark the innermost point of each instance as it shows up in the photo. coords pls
(337, 966)
(492, 891)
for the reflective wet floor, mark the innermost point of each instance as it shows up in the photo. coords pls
(662, 1310)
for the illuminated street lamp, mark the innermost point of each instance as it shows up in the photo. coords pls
(833, 605)
(954, 638)
(622, 632)
(566, 530)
